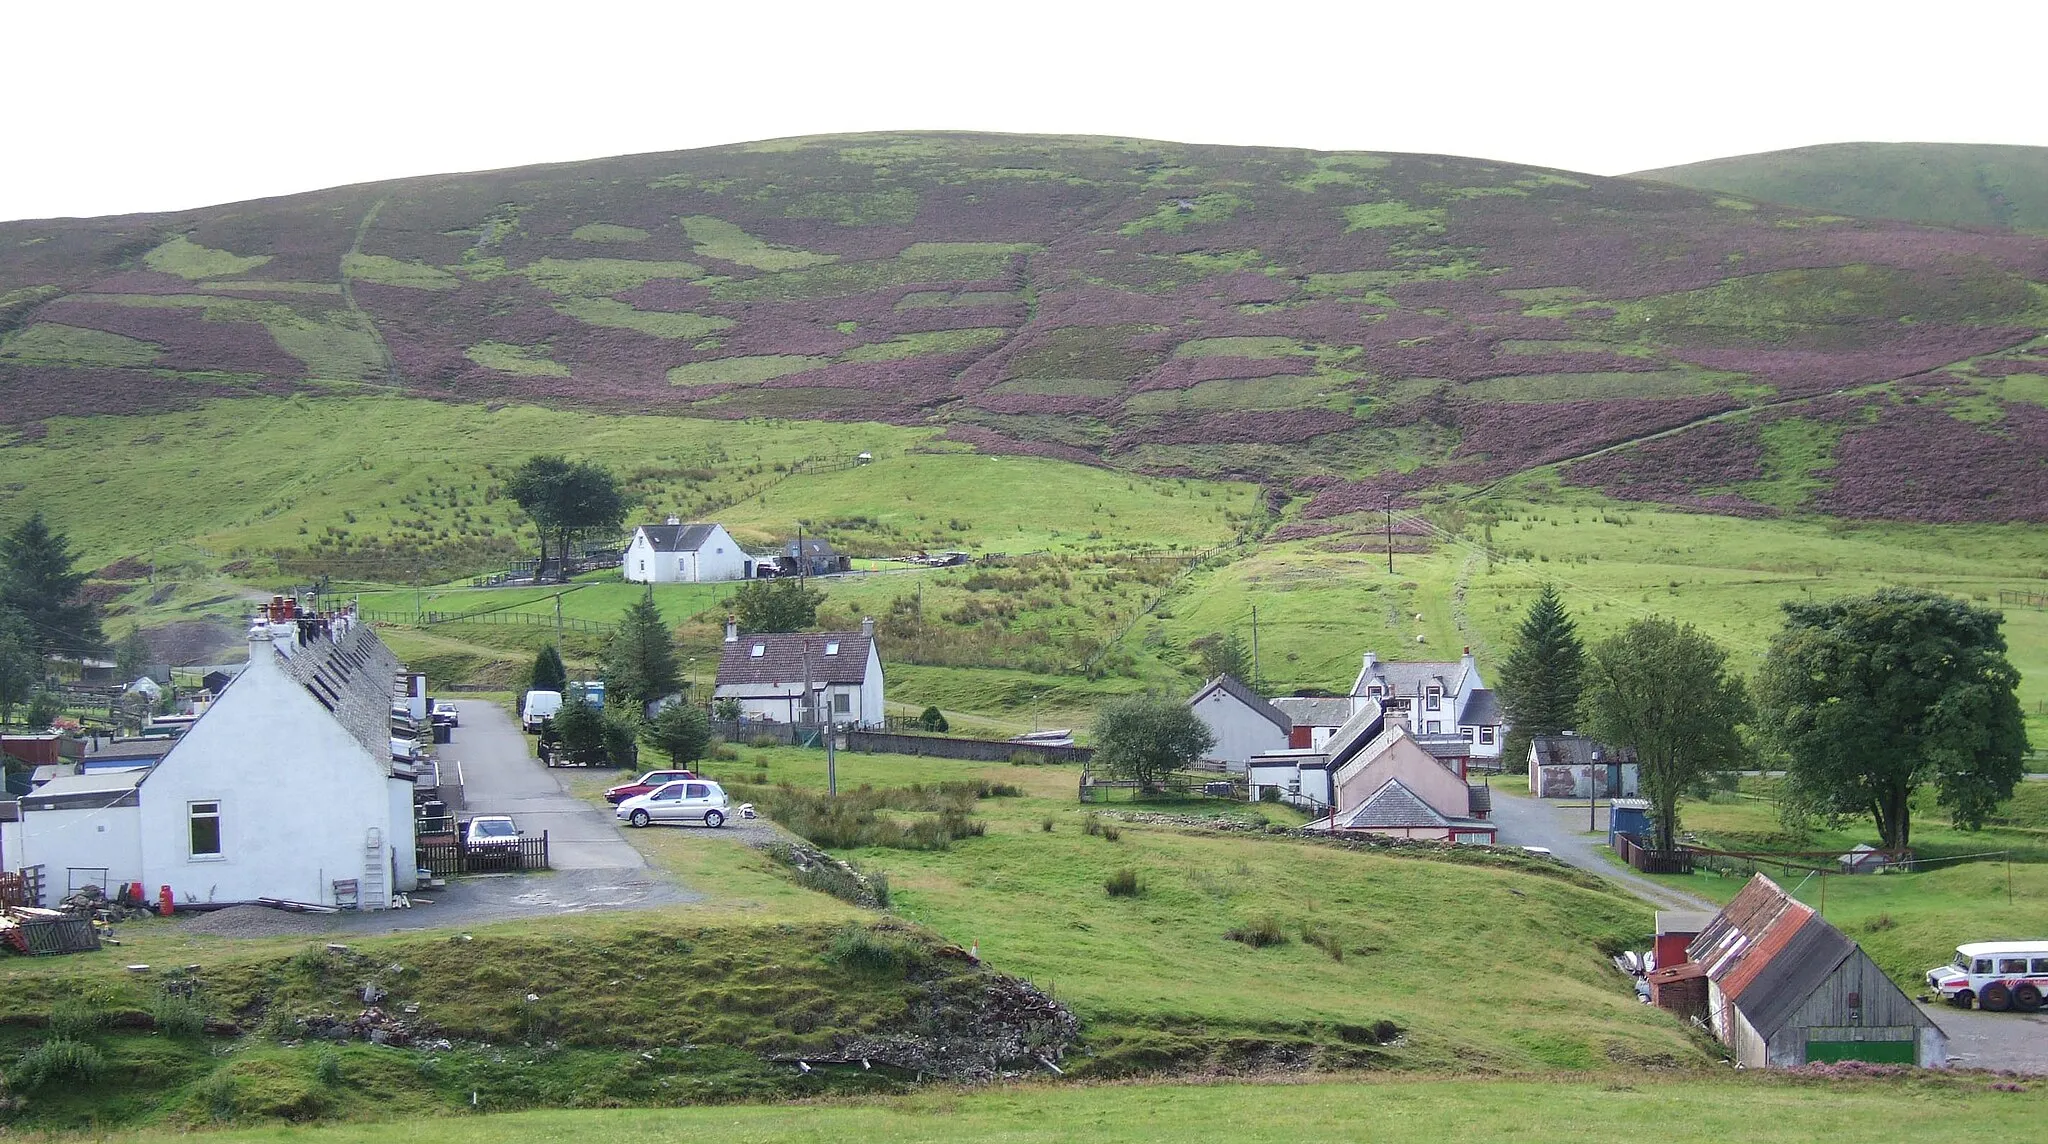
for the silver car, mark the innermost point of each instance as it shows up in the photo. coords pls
(691, 800)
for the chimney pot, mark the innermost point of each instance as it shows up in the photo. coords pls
(732, 629)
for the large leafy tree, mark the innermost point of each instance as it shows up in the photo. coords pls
(39, 583)
(20, 667)
(640, 661)
(566, 499)
(1540, 682)
(549, 673)
(1664, 689)
(780, 605)
(1867, 698)
(1144, 738)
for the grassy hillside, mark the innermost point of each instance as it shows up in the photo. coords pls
(1335, 325)
(1691, 1110)
(1945, 184)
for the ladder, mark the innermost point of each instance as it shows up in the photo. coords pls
(373, 890)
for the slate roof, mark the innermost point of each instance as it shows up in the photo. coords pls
(141, 750)
(1480, 798)
(1355, 733)
(782, 659)
(1444, 746)
(1576, 751)
(1393, 805)
(676, 537)
(1482, 709)
(1232, 686)
(1410, 678)
(1308, 711)
(352, 677)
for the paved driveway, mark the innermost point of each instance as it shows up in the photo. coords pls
(499, 775)
(1527, 821)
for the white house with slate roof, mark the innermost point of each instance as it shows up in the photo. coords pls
(1243, 724)
(283, 787)
(1441, 699)
(678, 553)
(767, 675)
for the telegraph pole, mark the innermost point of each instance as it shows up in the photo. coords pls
(1390, 534)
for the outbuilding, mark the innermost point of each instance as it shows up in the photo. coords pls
(1785, 988)
(1242, 723)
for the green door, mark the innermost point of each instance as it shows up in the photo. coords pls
(1874, 1052)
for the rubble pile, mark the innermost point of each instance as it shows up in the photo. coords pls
(372, 1024)
(1006, 1027)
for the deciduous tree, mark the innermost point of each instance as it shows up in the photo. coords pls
(1865, 699)
(1144, 738)
(566, 499)
(40, 584)
(1222, 653)
(1540, 681)
(1664, 689)
(780, 605)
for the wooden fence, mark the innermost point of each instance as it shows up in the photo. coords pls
(503, 618)
(22, 888)
(1639, 856)
(951, 747)
(2010, 598)
(448, 859)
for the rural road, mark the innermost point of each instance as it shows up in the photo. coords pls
(500, 776)
(1529, 821)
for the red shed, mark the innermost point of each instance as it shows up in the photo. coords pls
(1675, 931)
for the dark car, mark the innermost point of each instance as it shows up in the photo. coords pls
(652, 780)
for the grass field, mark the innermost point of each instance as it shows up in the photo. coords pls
(1683, 1110)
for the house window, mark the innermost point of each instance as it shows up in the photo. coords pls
(1471, 734)
(1433, 727)
(643, 564)
(205, 829)
(1374, 692)
(760, 650)
(1486, 735)
(1436, 698)
(842, 704)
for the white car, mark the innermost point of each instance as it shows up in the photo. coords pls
(692, 800)
(445, 712)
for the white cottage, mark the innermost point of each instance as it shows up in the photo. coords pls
(1243, 724)
(767, 675)
(285, 787)
(678, 553)
(1441, 699)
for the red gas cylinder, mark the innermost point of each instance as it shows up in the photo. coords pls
(166, 905)
(135, 895)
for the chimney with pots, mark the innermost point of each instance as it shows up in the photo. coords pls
(674, 519)
(732, 629)
(867, 627)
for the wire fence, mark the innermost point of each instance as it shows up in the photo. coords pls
(495, 618)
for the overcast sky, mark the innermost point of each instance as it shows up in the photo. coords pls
(120, 106)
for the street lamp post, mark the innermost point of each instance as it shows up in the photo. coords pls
(1593, 776)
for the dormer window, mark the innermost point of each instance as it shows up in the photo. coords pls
(1436, 698)
(1375, 691)
(759, 650)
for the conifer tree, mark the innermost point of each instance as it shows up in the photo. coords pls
(641, 663)
(38, 582)
(549, 674)
(1540, 680)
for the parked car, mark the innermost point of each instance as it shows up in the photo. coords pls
(539, 707)
(645, 784)
(698, 800)
(446, 712)
(491, 840)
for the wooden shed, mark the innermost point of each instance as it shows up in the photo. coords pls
(1785, 988)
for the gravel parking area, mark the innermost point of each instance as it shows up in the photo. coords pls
(2013, 1042)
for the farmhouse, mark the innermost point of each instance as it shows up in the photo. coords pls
(678, 553)
(1243, 724)
(1442, 699)
(285, 788)
(1785, 988)
(1572, 766)
(802, 677)
(1377, 777)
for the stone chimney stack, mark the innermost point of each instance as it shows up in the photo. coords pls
(1372, 658)
(732, 629)
(867, 626)
(674, 519)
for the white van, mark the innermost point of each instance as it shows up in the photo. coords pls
(1997, 975)
(539, 706)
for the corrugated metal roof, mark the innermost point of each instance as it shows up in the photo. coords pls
(781, 659)
(1792, 967)
(1235, 688)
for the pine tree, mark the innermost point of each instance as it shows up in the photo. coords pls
(682, 733)
(20, 669)
(37, 581)
(1540, 680)
(641, 663)
(548, 672)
